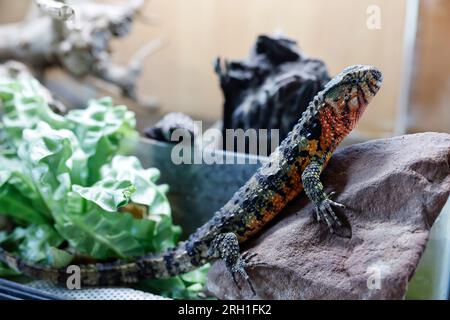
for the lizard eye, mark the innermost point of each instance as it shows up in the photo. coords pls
(354, 81)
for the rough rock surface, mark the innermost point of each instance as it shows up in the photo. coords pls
(394, 189)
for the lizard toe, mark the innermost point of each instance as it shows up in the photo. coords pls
(325, 211)
(239, 268)
(248, 258)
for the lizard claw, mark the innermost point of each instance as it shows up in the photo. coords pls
(324, 210)
(249, 262)
(336, 204)
(239, 268)
(245, 261)
(247, 256)
(227, 247)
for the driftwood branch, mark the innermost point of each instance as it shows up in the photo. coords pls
(76, 36)
(56, 10)
(126, 77)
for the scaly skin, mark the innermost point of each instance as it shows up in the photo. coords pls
(294, 166)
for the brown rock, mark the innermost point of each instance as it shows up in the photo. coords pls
(394, 190)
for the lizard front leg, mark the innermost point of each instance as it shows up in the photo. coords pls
(226, 247)
(314, 190)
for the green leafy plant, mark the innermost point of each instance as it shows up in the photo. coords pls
(66, 187)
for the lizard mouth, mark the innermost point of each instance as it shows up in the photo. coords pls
(362, 100)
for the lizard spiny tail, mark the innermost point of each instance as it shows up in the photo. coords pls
(294, 166)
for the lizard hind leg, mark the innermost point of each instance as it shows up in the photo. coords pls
(226, 246)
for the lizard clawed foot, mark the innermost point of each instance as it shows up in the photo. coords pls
(226, 246)
(247, 256)
(239, 268)
(246, 261)
(324, 210)
(249, 261)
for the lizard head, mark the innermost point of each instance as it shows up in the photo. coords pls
(349, 93)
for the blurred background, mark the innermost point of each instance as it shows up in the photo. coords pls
(406, 39)
(410, 46)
